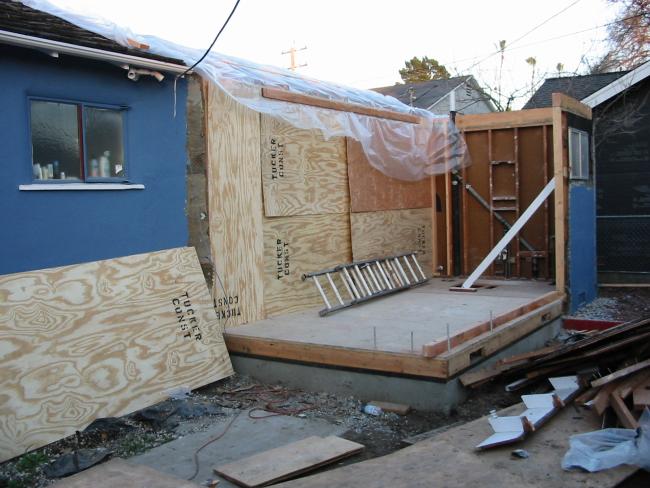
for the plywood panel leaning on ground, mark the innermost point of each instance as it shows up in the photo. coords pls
(101, 339)
(371, 190)
(302, 173)
(297, 245)
(235, 207)
(390, 232)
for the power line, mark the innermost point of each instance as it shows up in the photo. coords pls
(213, 41)
(527, 33)
(555, 38)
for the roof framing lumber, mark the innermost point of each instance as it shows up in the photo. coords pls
(291, 97)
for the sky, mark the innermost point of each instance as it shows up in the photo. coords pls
(364, 44)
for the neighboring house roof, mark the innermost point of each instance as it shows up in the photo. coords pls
(20, 19)
(423, 94)
(578, 87)
(617, 86)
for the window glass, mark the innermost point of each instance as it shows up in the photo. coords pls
(579, 154)
(584, 155)
(104, 143)
(56, 151)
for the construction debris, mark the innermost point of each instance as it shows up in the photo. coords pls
(397, 408)
(614, 362)
(539, 408)
(608, 448)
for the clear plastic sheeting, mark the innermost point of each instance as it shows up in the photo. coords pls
(608, 448)
(401, 150)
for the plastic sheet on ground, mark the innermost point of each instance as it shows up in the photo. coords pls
(608, 448)
(401, 150)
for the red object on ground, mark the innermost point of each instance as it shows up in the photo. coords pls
(574, 323)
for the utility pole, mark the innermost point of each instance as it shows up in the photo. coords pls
(292, 53)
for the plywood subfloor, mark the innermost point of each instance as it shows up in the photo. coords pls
(120, 473)
(101, 339)
(302, 173)
(449, 460)
(386, 324)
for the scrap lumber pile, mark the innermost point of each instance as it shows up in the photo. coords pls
(613, 365)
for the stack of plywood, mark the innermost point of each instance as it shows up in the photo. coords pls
(280, 206)
(306, 212)
(388, 216)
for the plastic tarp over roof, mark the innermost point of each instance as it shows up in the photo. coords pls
(401, 150)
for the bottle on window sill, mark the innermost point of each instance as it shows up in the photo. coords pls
(105, 164)
(94, 167)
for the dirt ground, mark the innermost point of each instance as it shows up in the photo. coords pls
(141, 431)
(383, 434)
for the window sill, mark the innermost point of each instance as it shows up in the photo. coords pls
(79, 186)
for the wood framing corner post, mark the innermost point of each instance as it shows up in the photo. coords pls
(434, 229)
(560, 174)
(563, 104)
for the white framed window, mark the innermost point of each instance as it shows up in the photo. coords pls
(578, 154)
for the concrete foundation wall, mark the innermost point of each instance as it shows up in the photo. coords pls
(421, 394)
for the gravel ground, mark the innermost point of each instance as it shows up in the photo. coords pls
(617, 304)
(141, 431)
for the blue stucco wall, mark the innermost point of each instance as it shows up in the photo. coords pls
(42, 229)
(582, 244)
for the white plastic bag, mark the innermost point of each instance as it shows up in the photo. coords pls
(608, 448)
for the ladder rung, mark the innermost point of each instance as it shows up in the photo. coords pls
(364, 287)
(336, 290)
(499, 198)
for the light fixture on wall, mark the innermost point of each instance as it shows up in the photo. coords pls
(134, 74)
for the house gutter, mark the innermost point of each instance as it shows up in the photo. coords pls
(22, 40)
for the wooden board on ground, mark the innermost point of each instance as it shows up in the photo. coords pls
(390, 232)
(287, 461)
(371, 190)
(118, 472)
(641, 396)
(235, 207)
(297, 245)
(449, 459)
(101, 339)
(302, 173)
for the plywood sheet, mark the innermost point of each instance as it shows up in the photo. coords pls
(449, 460)
(371, 190)
(235, 208)
(118, 472)
(101, 339)
(297, 245)
(302, 173)
(390, 232)
(287, 461)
